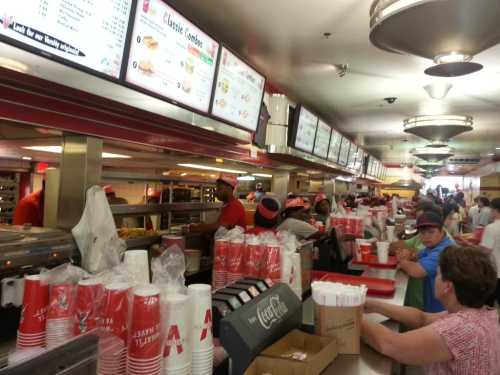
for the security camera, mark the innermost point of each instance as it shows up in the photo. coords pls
(391, 99)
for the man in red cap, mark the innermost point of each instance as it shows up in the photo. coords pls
(232, 213)
(295, 219)
(322, 207)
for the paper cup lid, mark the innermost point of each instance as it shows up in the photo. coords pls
(199, 288)
(146, 290)
(88, 282)
(118, 286)
(176, 298)
(134, 252)
(32, 277)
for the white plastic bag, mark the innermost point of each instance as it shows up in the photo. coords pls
(96, 235)
(168, 271)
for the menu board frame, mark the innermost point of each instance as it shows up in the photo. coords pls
(316, 137)
(360, 159)
(295, 128)
(348, 142)
(335, 158)
(71, 64)
(351, 159)
(214, 85)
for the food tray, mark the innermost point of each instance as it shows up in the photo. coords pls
(376, 287)
(373, 262)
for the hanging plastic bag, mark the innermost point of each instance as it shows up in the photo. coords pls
(96, 234)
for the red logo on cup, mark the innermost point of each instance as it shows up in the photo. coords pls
(207, 325)
(173, 338)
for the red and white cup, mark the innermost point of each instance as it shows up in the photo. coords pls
(89, 295)
(169, 241)
(112, 356)
(253, 258)
(177, 347)
(365, 250)
(60, 325)
(115, 308)
(144, 344)
(32, 325)
(272, 263)
(234, 261)
(221, 247)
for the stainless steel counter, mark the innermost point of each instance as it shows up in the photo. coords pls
(369, 362)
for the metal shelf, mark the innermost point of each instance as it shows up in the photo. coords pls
(143, 209)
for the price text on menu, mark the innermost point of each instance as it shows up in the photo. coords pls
(322, 140)
(170, 56)
(306, 130)
(238, 92)
(90, 33)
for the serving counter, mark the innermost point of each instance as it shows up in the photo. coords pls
(368, 362)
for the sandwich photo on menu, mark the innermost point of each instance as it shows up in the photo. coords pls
(150, 42)
(146, 67)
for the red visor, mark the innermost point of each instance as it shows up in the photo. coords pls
(266, 212)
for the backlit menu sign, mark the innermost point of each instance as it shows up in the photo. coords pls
(344, 151)
(90, 33)
(306, 130)
(360, 157)
(370, 165)
(334, 149)
(322, 140)
(171, 57)
(351, 163)
(238, 92)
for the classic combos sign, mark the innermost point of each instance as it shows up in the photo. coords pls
(171, 57)
(90, 33)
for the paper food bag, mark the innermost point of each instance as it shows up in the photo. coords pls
(343, 323)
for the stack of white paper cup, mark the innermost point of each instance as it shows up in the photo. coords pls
(137, 263)
(202, 346)
(176, 313)
(383, 252)
(390, 233)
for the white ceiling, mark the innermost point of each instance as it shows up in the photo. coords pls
(284, 39)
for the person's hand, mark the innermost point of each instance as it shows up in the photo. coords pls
(403, 254)
(369, 307)
(463, 242)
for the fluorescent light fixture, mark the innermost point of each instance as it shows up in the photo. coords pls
(345, 179)
(491, 154)
(246, 178)
(438, 90)
(498, 148)
(58, 150)
(13, 65)
(209, 168)
(438, 120)
(263, 175)
(27, 158)
(452, 57)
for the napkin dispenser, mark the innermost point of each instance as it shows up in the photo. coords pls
(244, 333)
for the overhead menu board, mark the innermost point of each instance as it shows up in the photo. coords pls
(305, 130)
(171, 57)
(351, 162)
(238, 92)
(90, 33)
(334, 149)
(360, 157)
(344, 151)
(370, 165)
(322, 141)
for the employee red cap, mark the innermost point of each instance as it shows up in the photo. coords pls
(229, 179)
(108, 189)
(429, 219)
(269, 208)
(295, 203)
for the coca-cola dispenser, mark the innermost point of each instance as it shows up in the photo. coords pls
(257, 324)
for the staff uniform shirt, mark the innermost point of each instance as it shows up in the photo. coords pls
(232, 214)
(29, 210)
(429, 260)
(473, 339)
(491, 240)
(300, 228)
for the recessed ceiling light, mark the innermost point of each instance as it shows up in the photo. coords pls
(13, 65)
(58, 150)
(27, 158)
(209, 168)
(498, 148)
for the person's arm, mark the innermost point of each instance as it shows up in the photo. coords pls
(204, 228)
(419, 347)
(408, 316)
(413, 269)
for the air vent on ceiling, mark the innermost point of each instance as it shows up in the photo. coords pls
(466, 160)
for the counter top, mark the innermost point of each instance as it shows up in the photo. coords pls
(369, 362)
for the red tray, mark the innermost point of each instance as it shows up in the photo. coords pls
(376, 287)
(373, 262)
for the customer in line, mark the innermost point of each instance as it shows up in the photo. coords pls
(463, 340)
(485, 215)
(295, 218)
(434, 237)
(451, 217)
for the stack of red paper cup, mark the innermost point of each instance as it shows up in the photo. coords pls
(169, 241)
(88, 296)
(252, 259)
(234, 261)
(59, 327)
(202, 346)
(31, 333)
(144, 344)
(177, 348)
(272, 263)
(220, 257)
(114, 319)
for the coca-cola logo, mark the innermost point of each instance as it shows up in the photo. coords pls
(270, 311)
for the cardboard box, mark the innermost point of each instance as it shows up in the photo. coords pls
(321, 351)
(343, 323)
